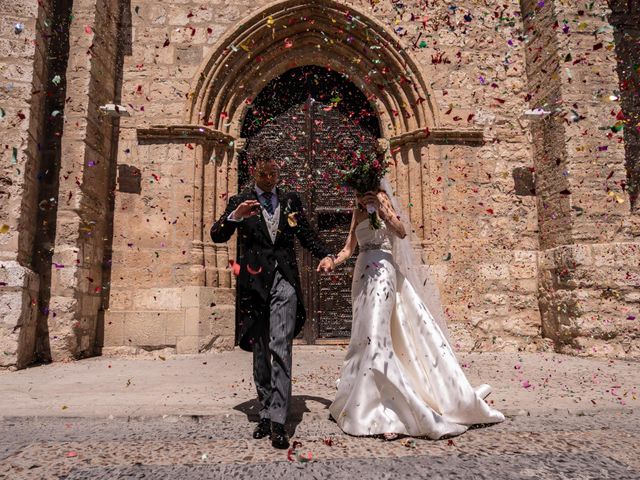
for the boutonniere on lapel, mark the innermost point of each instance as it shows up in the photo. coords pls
(292, 218)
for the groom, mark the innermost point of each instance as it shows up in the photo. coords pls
(269, 308)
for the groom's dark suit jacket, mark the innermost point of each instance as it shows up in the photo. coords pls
(257, 256)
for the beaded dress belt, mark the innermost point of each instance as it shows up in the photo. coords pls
(375, 246)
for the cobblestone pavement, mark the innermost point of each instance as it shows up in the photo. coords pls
(192, 417)
(560, 446)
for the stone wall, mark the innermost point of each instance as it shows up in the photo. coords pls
(625, 18)
(588, 266)
(485, 211)
(483, 231)
(159, 297)
(88, 173)
(472, 210)
(527, 220)
(23, 52)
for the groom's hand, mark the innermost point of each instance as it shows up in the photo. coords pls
(326, 265)
(248, 208)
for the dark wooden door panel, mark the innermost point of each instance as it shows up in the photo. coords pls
(334, 137)
(308, 124)
(334, 289)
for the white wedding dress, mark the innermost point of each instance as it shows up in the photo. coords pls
(400, 374)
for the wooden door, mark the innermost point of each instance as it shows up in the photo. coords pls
(305, 138)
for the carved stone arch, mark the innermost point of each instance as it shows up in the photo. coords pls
(253, 86)
(364, 49)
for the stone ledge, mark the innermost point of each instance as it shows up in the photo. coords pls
(440, 135)
(183, 133)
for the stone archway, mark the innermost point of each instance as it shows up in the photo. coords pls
(322, 33)
(365, 51)
(260, 50)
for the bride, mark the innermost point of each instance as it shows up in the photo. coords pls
(400, 375)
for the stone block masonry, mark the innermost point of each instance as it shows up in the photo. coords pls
(530, 223)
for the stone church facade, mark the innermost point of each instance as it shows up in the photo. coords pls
(512, 130)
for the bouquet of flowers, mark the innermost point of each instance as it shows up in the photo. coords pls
(363, 172)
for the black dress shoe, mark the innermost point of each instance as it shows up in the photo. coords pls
(279, 436)
(263, 429)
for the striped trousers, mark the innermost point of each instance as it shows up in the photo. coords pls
(272, 352)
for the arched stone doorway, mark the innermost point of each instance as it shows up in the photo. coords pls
(308, 116)
(287, 35)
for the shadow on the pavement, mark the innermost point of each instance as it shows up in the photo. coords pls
(298, 408)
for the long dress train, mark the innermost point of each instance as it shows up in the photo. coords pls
(400, 374)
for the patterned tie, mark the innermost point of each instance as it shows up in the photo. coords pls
(267, 201)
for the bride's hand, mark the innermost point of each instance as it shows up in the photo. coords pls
(370, 198)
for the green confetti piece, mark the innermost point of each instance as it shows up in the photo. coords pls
(422, 44)
(2, 114)
(56, 80)
(14, 156)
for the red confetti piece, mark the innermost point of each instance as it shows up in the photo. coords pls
(235, 267)
(253, 271)
(88, 30)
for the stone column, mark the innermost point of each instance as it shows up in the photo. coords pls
(86, 173)
(625, 18)
(23, 55)
(217, 303)
(588, 267)
(197, 269)
(226, 185)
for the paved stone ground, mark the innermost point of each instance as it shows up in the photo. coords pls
(191, 418)
(559, 446)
